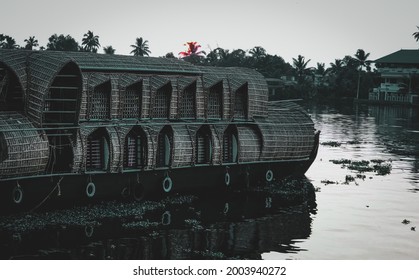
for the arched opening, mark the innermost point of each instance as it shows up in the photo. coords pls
(4, 154)
(215, 101)
(135, 149)
(161, 108)
(241, 102)
(61, 109)
(187, 107)
(62, 101)
(98, 151)
(11, 92)
(100, 105)
(62, 156)
(251, 142)
(165, 147)
(131, 101)
(230, 145)
(203, 145)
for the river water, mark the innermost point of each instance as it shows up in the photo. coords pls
(376, 217)
(366, 185)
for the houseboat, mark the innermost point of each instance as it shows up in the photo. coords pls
(84, 125)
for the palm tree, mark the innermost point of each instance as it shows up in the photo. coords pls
(237, 57)
(300, 65)
(2, 38)
(140, 48)
(193, 50)
(109, 50)
(320, 69)
(90, 42)
(8, 42)
(320, 73)
(337, 66)
(258, 52)
(416, 35)
(31, 43)
(361, 57)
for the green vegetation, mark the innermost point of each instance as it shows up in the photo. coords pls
(332, 144)
(140, 48)
(345, 79)
(375, 165)
(90, 42)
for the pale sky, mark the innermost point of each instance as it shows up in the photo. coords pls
(320, 30)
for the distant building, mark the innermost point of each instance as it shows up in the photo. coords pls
(399, 78)
(280, 88)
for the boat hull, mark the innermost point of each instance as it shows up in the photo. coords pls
(32, 192)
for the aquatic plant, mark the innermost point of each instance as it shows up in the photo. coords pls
(332, 144)
(406, 222)
(382, 169)
(349, 178)
(354, 142)
(362, 166)
(195, 224)
(208, 255)
(140, 225)
(340, 161)
(361, 176)
(328, 182)
(77, 216)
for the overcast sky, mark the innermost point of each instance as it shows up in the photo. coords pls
(320, 30)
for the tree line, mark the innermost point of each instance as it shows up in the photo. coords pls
(90, 43)
(347, 77)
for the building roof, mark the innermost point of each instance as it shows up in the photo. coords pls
(401, 57)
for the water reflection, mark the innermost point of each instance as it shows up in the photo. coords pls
(389, 132)
(371, 207)
(240, 225)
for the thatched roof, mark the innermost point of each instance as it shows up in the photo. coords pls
(288, 133)
(234, 78)
(23, 150)
(36, 71)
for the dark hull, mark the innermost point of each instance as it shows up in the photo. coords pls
(137, 185)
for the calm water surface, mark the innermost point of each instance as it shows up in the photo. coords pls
(363, 219)
(356, 215)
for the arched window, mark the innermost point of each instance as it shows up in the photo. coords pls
(3, 148)
(165, 147)
(11, 92)
(131, 100)
(100, 107)
(135, 150)
(203, 145)
(97, 157)
(241, 102)
(215, 101)
(161, 109)
(62, 101)
(230, 145)
(187, 106)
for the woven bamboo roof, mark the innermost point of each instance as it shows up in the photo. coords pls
(237, 77)
(36, 71)
(24, 152)
(15, 61)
